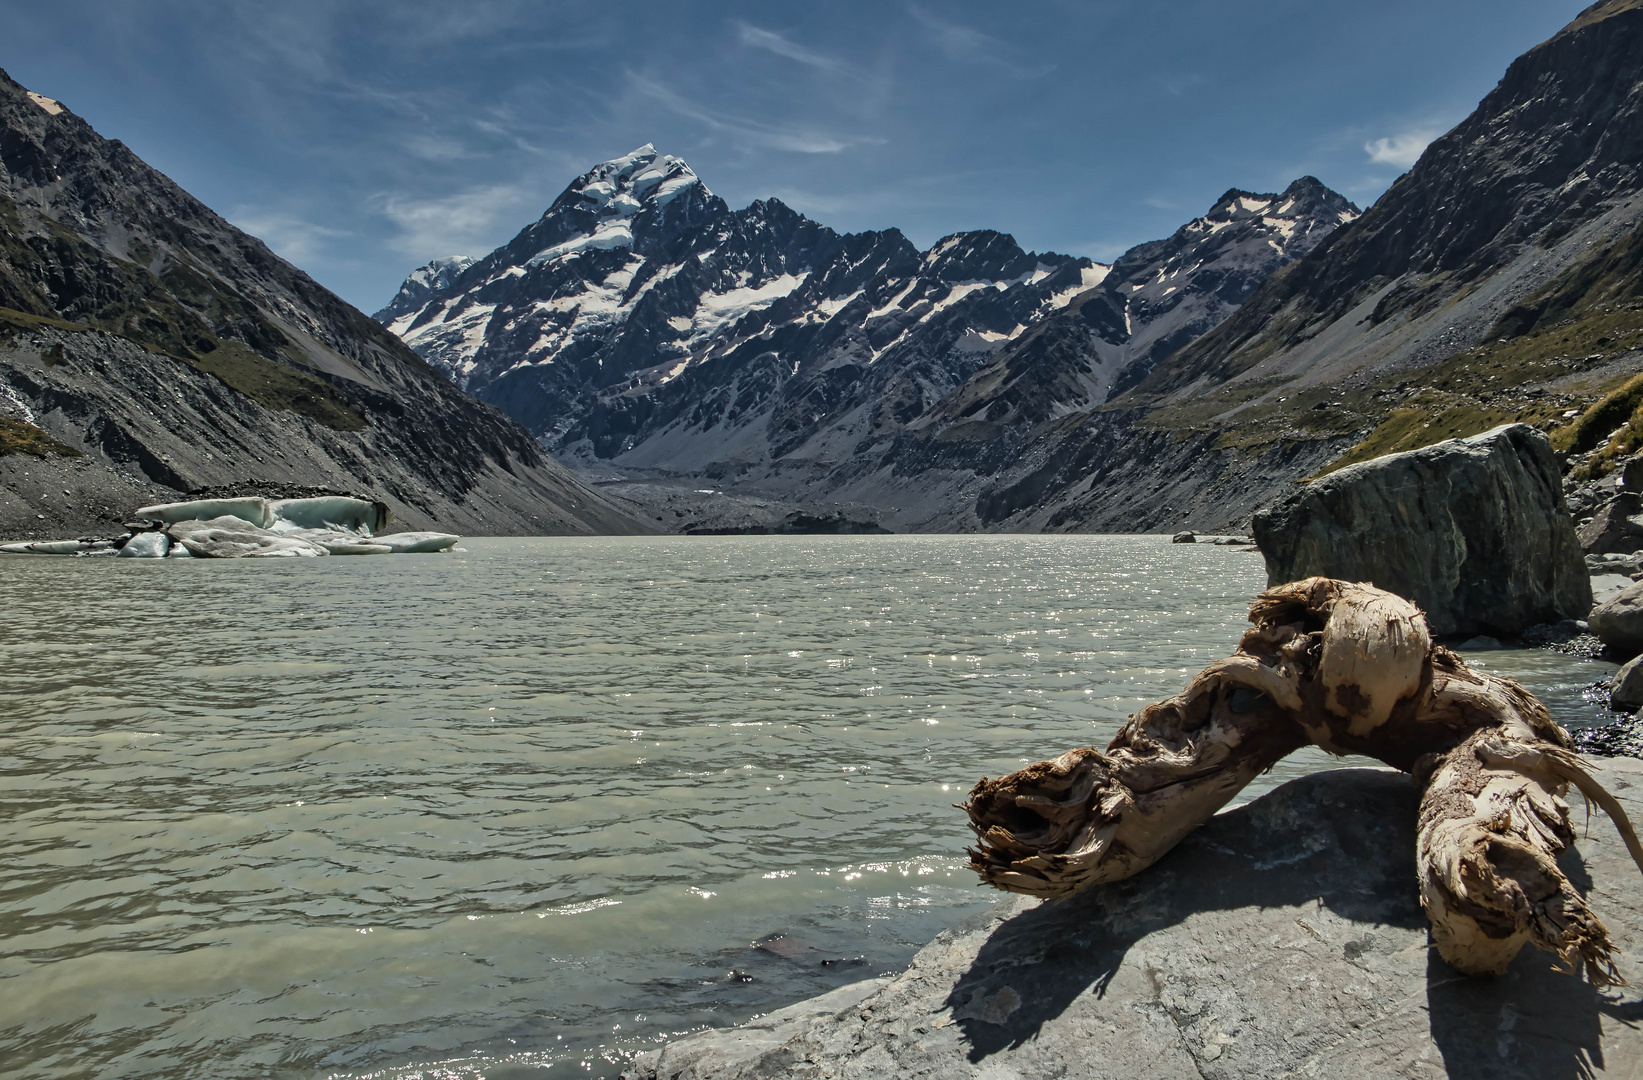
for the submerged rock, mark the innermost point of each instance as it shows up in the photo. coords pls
(1282, 938)
(1623, 737)
(1473, 530)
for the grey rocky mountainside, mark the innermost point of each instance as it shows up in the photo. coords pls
(149, 347)
(1499, 280)
(643, 328)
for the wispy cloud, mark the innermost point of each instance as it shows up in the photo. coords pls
(292, 237)
(747, 132)
(465, 221)
(964, 44)
(770, 41)
(1178, 86)
(1402, 150)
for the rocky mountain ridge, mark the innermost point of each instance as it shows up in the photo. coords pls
(1497, 281)
(643, 329)
(143, 331)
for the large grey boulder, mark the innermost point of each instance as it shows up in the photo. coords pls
(1282, 939)
(1473, 530)
(1618, 620)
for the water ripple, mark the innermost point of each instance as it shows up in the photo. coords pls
(538, 801)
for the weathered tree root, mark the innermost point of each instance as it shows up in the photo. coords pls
(1351, 669)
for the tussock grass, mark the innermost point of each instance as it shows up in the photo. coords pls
(17, 437)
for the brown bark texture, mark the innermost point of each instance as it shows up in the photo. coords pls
(1352, 669)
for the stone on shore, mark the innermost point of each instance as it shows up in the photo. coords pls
(1626, 689)
(1283, 938)
(1618, 621)
(1629, 564)
(1616, 527)
(1474, 530)
(1606, 587)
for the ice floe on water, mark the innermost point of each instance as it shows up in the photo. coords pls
(248, 528)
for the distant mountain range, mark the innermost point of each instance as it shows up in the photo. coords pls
(147, 346)
(645, 330)
(641, 324)
(646, 334)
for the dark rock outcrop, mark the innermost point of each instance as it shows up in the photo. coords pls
(1283, 938)
(1473, 530)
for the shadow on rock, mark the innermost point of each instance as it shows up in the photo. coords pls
(1316, 880)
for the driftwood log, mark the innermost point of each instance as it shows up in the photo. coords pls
(1352, 669)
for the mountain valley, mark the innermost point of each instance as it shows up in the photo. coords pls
(149, 348)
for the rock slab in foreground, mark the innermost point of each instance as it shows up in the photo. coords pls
(1284, 938)
(1473, 530)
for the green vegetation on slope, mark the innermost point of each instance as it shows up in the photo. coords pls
(270, 384)
(171, 313)
(16, 437)
(1556, 354)
(275, 386)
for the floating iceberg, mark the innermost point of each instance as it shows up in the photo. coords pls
(408, 543)
(46, 547)
(332, 512)
(253, 527)
(147, 545)
(252, 510)
(232, 538)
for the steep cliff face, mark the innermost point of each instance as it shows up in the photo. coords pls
(141, 329)
(1484, 216)
(1158, 297)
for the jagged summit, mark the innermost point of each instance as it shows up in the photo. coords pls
(621, 186)
(422, 283)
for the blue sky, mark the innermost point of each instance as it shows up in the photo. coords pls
(361, 138)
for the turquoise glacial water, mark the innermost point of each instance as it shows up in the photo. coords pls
(529, 807)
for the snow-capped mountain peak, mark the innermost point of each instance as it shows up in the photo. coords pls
(624, 186)
(423, 282)
(640, 316)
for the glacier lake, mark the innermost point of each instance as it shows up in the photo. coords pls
(540, 803)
